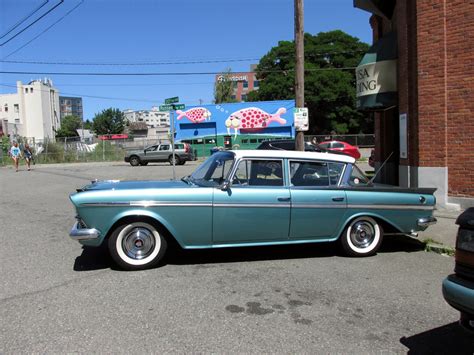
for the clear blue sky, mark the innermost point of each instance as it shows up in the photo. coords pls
(140, 31)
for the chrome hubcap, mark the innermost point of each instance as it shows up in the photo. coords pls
(362, 234)
(139, 243)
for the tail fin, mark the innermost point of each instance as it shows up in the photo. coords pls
(180, 114)
(276, 116)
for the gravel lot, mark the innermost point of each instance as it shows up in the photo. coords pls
(57, 297)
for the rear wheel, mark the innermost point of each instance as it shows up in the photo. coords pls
(177, 160)
(362, 237)
(134, 160)
(137, 246)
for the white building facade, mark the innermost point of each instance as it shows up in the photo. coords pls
(32, 112)
(153, 118)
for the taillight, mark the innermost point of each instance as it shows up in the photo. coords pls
(186, 147)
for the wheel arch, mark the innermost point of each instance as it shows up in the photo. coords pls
(387, 226)
(147, 217)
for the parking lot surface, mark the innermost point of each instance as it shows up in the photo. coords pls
(58, 297)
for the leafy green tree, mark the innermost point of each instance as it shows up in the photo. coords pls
(223, 89)
(109, 121)
(330, 58)
(87, 124)
(69, 125)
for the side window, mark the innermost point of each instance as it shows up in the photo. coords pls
(164, 147)
(151, 149)
(306, 173)
(179, 146)
(337, 145)
(259, 173)
(335, 172)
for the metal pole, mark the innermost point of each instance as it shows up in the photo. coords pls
(172, 143)
(299, 77)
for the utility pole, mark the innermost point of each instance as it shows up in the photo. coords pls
(299, 70)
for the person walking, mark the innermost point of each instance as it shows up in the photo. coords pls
(15, 153)
(28, 155)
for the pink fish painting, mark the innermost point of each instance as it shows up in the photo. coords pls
(253, 119)
(195, 115)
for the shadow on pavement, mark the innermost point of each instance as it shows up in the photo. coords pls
(448, 339)
(98, 258)
(93, 259)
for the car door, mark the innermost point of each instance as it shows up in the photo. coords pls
(164, 151)
(318, 204)
(256, 207)
(150, 154)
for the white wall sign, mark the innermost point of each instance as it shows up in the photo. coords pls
(301, 118)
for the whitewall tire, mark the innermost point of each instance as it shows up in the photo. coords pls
(137, 246)
(362, 237)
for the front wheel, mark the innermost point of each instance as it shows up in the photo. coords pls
(134, 161)
(362, 237)
(137, 246)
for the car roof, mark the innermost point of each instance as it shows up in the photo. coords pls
(291, 154)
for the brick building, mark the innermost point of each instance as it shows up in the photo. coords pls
(426, 116)
(242, 83)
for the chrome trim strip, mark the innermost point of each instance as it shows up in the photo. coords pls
(329, 205)
(426, 221)
(77, 233)
(253, 205)
(147, 204)
(393, 207)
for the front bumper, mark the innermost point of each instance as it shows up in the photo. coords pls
(459, 293)
(425, 222)
(78, 233)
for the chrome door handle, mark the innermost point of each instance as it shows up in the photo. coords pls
(338, 199)
(284, 199)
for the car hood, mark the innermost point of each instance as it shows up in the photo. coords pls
(132, 185)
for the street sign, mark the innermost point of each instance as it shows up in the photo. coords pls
(179, 106)
(172, 100)
(172, 107)
(301, 117)
(166, 107)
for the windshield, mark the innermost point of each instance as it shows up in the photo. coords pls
(214, 170)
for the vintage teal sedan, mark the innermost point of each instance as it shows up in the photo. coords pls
(248, 198)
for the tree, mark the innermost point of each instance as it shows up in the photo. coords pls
(69, 125)
(224, 88)
(87, 124)
(330, 59)
(109, 121)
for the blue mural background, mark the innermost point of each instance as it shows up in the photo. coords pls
(262, 117)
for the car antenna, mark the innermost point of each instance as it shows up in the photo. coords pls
(380, 168)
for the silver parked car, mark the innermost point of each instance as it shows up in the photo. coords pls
(160, 153)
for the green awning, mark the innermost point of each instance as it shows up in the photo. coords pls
(376, 75)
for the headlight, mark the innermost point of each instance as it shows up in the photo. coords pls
(465, 240)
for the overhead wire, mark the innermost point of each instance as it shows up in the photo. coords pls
(24, 19)
(44, 31)
(31, 24)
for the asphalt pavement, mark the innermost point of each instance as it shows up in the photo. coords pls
(57, 297)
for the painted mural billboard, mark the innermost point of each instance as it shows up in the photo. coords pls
(270, 118)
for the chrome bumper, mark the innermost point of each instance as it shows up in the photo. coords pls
(77, 233)
(426, 221)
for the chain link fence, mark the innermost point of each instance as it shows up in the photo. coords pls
(72, 149)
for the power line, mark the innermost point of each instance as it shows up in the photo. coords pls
(167, 73)
(169, 62)
(45, 30)
(24, 19)
(31, 24)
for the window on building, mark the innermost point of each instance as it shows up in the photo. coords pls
(233, 97)
(26, 90)
(31, 90)
(246, 84)
(244, 97)
(16, 108)
(256, 84)
(5, 108)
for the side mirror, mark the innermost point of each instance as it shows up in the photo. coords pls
(225, 185)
